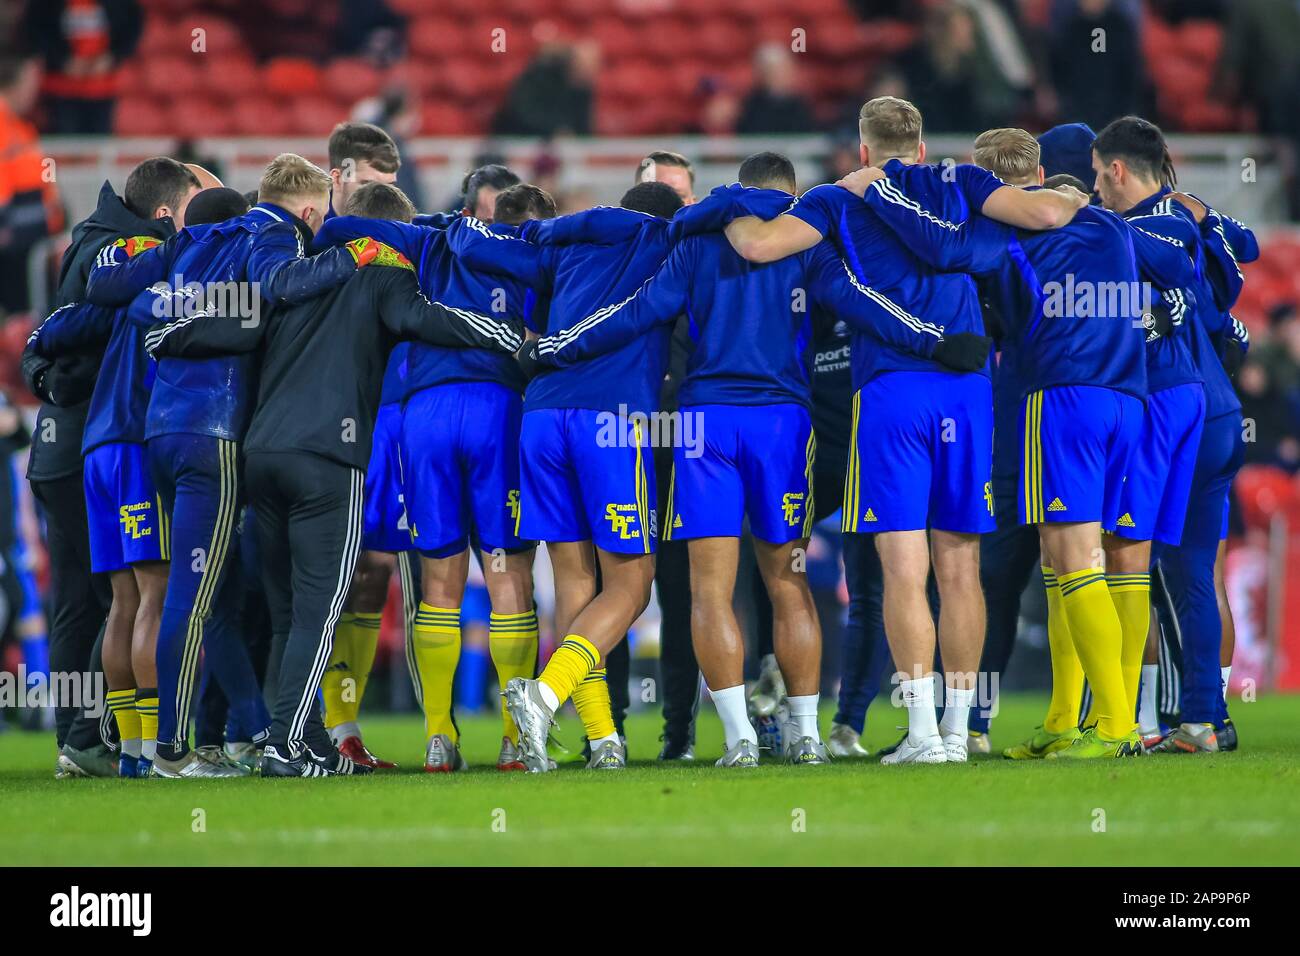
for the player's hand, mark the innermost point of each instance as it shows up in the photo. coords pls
(963, 351)
(388, 256)
(1080, 199)
(1158, 321)
(363, 250)
(528, 361)
(1233, 355)
(1191, 204)
(70, 380)
(857, 181)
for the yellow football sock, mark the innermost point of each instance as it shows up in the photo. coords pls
(591, 698)
(121, 704)
(146, 708)
(574, 659)
(512, 642)
(338, 682)
(1131, 594)
(1098, 640)
(365, 641)
(1067, 672)
(437, 651)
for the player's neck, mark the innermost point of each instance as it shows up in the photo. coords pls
(1139, 191)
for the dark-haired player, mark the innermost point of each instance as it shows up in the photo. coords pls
(746, 394)
(361, 153)
(1136, 177)
(128, 529)
(459, 428)
(586, 474)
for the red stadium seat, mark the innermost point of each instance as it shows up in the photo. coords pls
(162, 37)
(616, 37)
(141, 116)
(722, 41)
(438, 37)
(230, 75)
(316, 115)
(291, 76)
(260, 115)
(219, 36)
(198, 116)
(443, 119)
(352, 79)
(172, 76)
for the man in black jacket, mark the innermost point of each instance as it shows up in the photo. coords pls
(156, 195)
(307, 449)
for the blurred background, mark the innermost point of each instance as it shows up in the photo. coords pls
(572, 94)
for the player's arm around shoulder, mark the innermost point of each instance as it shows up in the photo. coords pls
(128, 264)
(800, 227)
(1036, 209)
(408, 314)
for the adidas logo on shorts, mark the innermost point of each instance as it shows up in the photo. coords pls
(869, 516)
(1056, 505)
(1126, 521)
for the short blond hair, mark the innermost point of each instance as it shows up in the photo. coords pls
(1009, 153)
(890, 126)
(289, 177)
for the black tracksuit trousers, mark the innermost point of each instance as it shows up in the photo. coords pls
(78, 604)
(309, 522)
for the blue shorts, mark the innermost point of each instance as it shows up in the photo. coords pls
(1076, 442)
(921, 454)
(1153, 504)
(587, 476)
(757, 460)
(461, 452)
(385, 526)
(127, 521)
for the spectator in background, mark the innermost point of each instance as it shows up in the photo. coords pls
(1260, 65)
(553, 94)
(951, 78)
(300, 28)
(775, 104)
(1279, 353)
(29, 203)
(82, 42)
(1273, 419)
(397, 113)
(1096, 63)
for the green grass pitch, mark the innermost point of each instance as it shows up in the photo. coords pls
(1231, 809)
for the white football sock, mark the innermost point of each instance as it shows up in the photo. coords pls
(803, 714)
(918, 698)
(549, 696)
(730, 704)
(1225, 674)
(149, 748)
(597, 744)
(131, 746)
(341, 732)
(956, 710)
(1148, 714)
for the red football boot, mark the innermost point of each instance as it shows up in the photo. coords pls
(356, 751)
